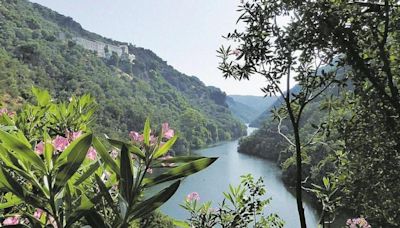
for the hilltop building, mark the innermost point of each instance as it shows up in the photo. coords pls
(105, 50)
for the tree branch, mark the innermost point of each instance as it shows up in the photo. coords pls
(280, 132)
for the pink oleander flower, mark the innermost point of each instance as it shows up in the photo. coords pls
(194, 196)
(60, 143)
(153, 139)
(357, 223)
(6, 112)
(11, 221)
(236, 52)
(135, 136)
(114, 154)
(149, 170)
(38, 213)
(92, 153)
(166, 131)
(73, 135)
(39, 148)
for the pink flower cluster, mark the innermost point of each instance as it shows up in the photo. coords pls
(6, 112)
(60, 143)
(357, 223)
(236, 52)
(15, 220)
(166, 133)
(194, 196)
(10, 221)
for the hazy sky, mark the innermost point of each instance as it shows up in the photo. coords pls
(185, 33)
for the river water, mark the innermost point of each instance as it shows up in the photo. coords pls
(211, 182)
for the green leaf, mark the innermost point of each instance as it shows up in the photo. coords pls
(92, 168)
(126, 182)
(181, 159)
(325, 180)
(181, 224)
(48, 151)
(180, 171)
(21, 149)
(132, 149)
(42, 96)
(76, 153)
(146, 132)
(151, 204)
(86, 204)
(18, 190)
(85, 207)
(105, 192)
(6, 121)
(165, 148)
(11, 201)
(100, 148)
(95, 220)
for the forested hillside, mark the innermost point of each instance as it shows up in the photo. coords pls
(37, 48)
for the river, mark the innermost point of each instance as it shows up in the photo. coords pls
(211, 182)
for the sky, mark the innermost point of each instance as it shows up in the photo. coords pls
(185, 33)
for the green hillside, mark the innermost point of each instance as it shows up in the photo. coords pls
(37, 47)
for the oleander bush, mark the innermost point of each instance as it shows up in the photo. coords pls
(56, 172)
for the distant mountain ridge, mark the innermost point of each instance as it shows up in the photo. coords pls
(264, 116)
(247, 108)
(32, 52)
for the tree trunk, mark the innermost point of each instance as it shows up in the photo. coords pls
(299, 179)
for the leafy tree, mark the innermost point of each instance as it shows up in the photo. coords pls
(266, 48)
(365, 36)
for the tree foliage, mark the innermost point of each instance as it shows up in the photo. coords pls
(363, 122)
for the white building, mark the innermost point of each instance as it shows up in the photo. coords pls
(105, 50)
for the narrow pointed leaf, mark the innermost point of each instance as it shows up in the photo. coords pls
(76, 154)
(126, 182)
(166, 147)
(42, 96)
(22, 150)
(92, 168)
(146, 132)
(132, 149)
(95, 220)
(181, 159)
(48, 151)
(181, 224)
(180, 171)
(151, 204)
(105, 155)
(105, 192)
